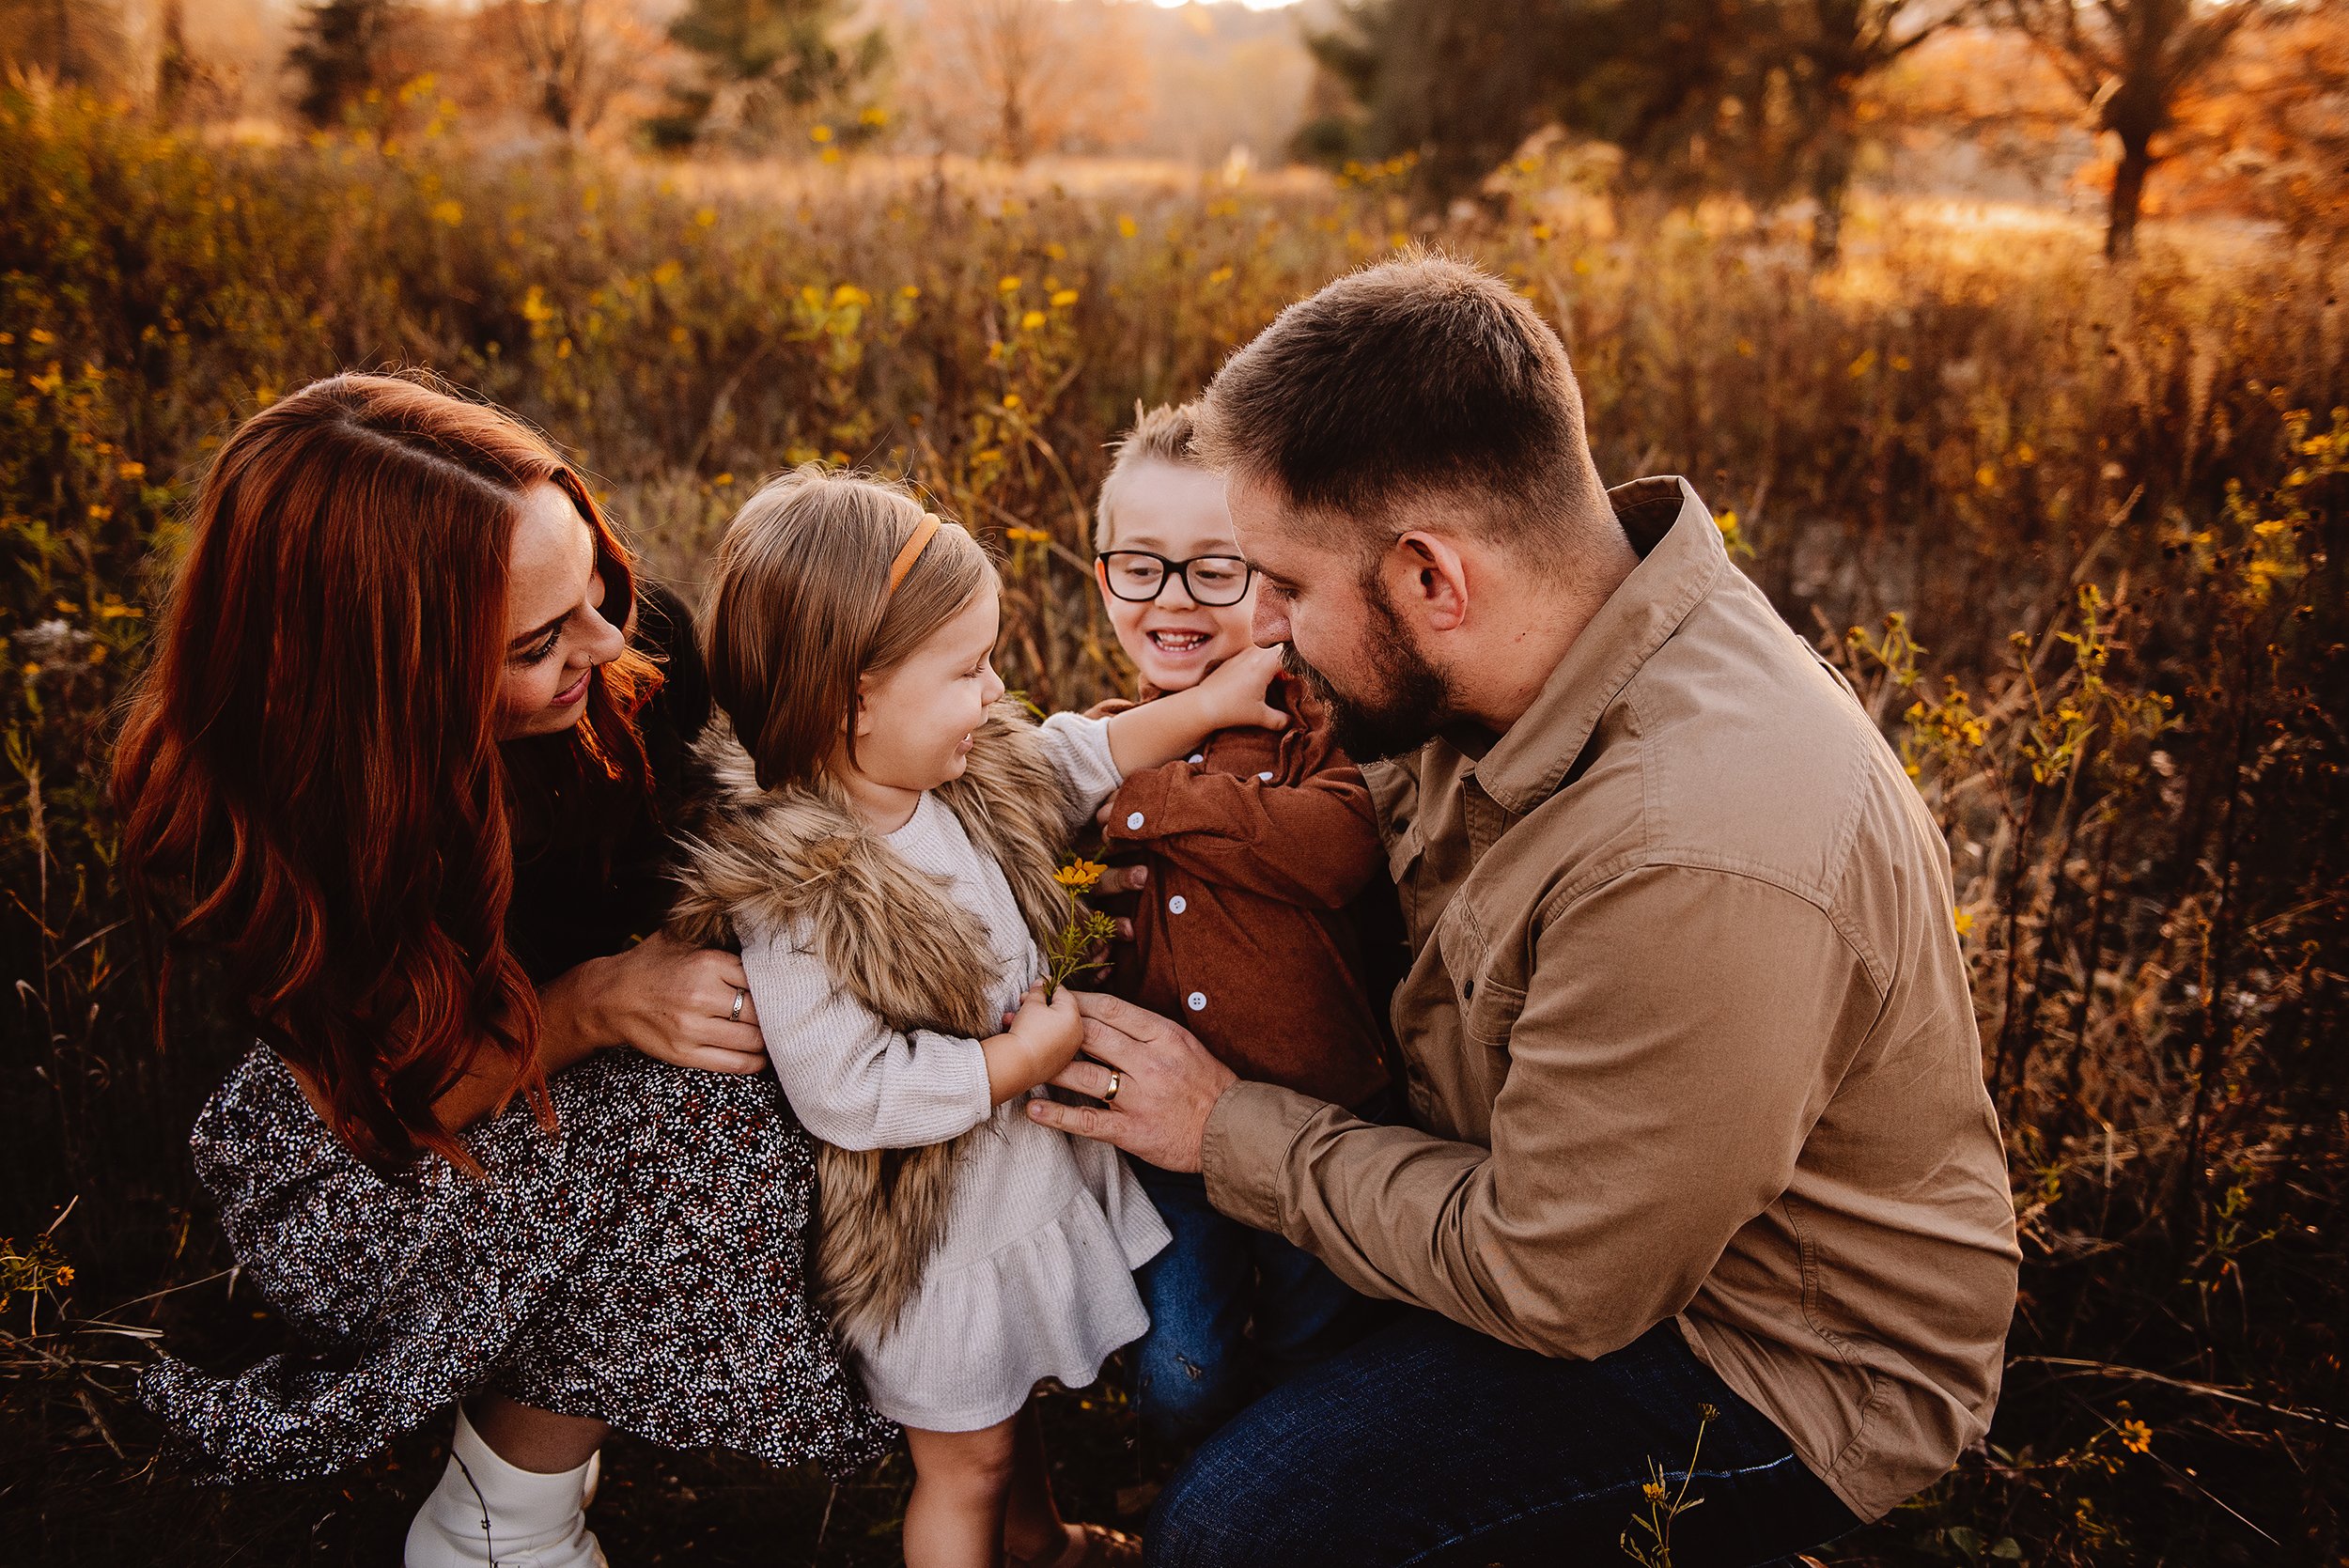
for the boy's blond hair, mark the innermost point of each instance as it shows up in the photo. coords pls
(1160, 435)
(801, 608)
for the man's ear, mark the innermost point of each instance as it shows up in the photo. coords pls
(1428, 577)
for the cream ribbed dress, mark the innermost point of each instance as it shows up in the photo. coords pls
(1034, 1276)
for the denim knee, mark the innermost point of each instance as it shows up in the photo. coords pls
(1183, 1390)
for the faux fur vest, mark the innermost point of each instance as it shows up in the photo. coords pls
(895, 939)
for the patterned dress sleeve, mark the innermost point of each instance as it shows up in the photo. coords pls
(853, 1081)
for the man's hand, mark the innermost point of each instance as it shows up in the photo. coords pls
(1167, 1084)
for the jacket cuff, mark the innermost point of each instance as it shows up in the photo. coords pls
(1244, 1156)
(1139, 807)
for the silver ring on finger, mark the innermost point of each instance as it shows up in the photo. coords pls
(735, 1014)
(1117, 1081)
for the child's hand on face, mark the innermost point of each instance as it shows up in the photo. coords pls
(1233, 692)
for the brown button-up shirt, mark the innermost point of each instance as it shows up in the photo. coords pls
(1266, 884)
(1688, 1035)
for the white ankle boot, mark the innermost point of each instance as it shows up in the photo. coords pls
(487, 1514)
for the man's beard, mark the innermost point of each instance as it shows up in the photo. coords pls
(1413, 701)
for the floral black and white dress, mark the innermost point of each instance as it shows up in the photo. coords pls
(642, 1262)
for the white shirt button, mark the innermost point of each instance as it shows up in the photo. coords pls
(1264, 777)
(1196, 1002)
(1176, 904)
(1198, 757)
(1133, 821)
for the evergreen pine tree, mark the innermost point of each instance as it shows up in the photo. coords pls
(762, 62)
(338, 53)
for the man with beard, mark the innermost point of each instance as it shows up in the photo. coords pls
(1700, 1198)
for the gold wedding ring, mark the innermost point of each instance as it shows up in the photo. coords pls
(740, 996)
(1117, 1079)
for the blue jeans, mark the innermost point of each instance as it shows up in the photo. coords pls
(1432, 1444)
(1232, 1308)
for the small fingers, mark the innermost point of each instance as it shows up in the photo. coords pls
(1133, 878)
(1125, 929)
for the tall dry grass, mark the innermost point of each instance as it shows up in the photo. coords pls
(2075, 532)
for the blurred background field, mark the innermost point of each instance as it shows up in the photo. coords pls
(2062, 491)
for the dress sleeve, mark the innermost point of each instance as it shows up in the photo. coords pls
(1080, 748)
(853, 1081)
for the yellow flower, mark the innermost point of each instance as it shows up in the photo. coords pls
(2136, 1436)
(1965, 923)
(1062, 299)
(1032, 320)
(819, 133)
(1007, 285)
(451, 212)
(1079, 875)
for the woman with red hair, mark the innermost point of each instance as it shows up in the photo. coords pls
(401, 777)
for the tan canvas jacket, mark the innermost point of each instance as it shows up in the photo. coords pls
(1688, 1035)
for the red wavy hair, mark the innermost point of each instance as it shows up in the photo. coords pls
(309, 772)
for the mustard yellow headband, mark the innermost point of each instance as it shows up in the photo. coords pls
(910, 552)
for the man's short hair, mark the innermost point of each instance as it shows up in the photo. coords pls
(1160, 435)
(1420, 379)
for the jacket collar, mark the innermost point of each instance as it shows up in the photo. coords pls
(1682, 557)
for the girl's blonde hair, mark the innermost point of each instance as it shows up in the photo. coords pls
(802, 610)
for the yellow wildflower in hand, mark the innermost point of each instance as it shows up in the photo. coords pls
(1072, 949)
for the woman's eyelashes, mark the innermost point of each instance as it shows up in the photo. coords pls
(537, 652)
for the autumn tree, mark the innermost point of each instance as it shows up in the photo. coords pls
(2133, 63)
(2266, 133)
(1030, 76)
(71, 41)
(575, 56)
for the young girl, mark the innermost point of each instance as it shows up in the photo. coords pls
(883, 849)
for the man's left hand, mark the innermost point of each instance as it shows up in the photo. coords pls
(1166, 1084)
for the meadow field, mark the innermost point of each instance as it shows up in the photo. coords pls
(2075, 532)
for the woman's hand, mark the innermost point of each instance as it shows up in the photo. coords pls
(672, 1001)
(1038, 1041)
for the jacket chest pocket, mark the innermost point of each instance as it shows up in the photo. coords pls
(1488, 1002)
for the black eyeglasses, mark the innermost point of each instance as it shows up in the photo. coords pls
(1139, 576)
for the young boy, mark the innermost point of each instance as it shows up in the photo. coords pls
(1264, 870)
